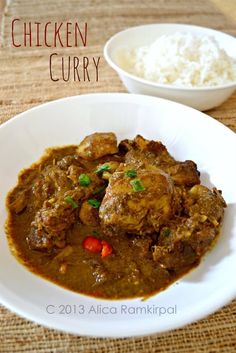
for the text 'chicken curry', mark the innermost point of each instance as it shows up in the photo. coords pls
(112, 221)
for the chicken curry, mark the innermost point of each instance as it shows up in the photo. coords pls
(112, 220)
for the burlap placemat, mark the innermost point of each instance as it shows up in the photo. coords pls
(25, 82)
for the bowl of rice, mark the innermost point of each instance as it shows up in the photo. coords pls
(192, 65)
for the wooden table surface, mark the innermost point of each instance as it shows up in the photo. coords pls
(25, 82)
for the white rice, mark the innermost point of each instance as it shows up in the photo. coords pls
(182, 59)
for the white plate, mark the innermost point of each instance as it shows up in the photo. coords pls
(188, 134)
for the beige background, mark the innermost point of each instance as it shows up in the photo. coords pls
(25, 83)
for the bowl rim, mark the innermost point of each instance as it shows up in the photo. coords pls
(117, 68)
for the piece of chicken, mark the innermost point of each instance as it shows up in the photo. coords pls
(142, 152)
(183, 173)
(97, 145)
(58, 214)
(137, 205)
(202, 201)
(51, 222)
(184, 240)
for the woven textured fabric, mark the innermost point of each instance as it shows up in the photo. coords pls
(25, 82)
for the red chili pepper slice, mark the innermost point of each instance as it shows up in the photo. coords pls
(92, 244)
(106, 249)
(96, 245)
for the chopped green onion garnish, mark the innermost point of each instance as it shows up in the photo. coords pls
(84, 180)
(94, 203)
(166, 232)
(103, 168)
(95, 232)
(131, 173)
(137, 185)
(71, 202)
(98, 190)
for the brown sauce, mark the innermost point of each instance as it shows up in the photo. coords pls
(46, 233)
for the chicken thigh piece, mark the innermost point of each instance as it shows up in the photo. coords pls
(137, 204)
(97, 145)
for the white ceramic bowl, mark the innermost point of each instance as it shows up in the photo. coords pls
(188, 134)
(200, 98)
